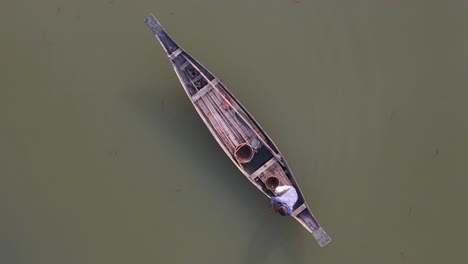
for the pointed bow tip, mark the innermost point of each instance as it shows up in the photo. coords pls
(153, 24)
(149, 18)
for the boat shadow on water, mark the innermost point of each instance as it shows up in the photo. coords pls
(270, 235)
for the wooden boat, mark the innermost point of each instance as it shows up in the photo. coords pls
(236, 131)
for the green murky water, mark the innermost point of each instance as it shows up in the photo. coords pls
(104, 160)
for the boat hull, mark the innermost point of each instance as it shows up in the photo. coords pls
(239, 135)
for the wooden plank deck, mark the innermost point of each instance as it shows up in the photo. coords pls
(229, 128)
(231, 131)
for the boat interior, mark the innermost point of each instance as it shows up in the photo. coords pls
(237, 131)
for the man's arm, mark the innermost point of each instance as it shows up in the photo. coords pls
(273, 199)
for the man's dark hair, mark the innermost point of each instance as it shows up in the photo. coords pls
(283, 210)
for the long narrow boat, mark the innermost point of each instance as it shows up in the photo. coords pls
(236, 131)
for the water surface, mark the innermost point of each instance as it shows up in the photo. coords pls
(104, 160)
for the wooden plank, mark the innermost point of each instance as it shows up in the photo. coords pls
(243, 132)
(230, 119)
(175, 53)
(201, 92)
(224, 116)
(299, 209)
(215, 125)
(183, 66)
(220, 123)
(196, 79)
(263, 168)
(214, 82)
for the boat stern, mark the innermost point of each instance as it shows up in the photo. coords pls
(321, 237)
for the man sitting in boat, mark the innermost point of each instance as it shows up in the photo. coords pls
(286, 199)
